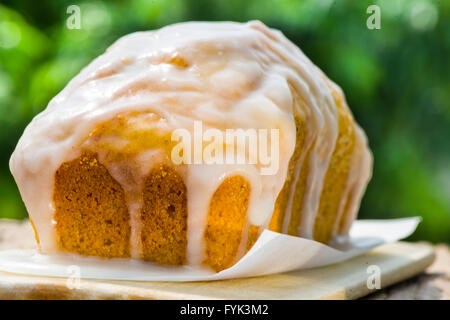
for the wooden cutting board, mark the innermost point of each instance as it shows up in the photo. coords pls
(346, 280)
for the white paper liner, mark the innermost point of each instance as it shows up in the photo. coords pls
(272, 253)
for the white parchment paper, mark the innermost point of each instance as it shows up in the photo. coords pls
(272, 253)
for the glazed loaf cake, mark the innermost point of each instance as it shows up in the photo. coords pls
(96, 168)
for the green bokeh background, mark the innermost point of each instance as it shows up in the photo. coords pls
(396, 79)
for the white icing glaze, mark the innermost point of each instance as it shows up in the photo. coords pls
(236, 76)
(133, 186)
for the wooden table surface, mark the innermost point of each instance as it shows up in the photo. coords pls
(434, 283)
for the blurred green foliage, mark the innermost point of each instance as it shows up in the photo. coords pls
(396, 80)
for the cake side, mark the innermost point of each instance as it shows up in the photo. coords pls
(91, 215)
(163, 234)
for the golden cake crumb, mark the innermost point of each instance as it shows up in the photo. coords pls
(164, 217)
(90, 210)
(226, 221)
